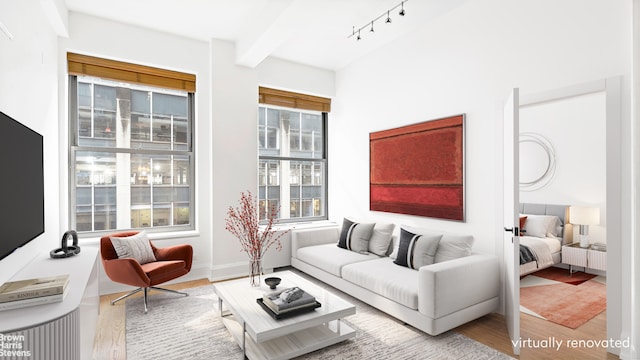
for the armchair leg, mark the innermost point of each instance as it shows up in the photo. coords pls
(126, 295)
(146, 295)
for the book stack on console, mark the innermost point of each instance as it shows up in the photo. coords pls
(292, 300)
(32, 292)
(599, 246)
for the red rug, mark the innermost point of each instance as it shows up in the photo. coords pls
(562, 275)
(566, 304)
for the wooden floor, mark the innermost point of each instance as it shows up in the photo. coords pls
(490, 330)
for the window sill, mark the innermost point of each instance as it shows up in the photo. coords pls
(159, 236)
(304, 225)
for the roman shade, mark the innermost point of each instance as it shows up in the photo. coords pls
(293, 100)
(132, 73)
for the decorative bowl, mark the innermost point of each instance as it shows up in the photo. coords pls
(272, 282)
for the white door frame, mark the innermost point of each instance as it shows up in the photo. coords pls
(617, 243)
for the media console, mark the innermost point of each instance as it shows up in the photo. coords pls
(56, 331)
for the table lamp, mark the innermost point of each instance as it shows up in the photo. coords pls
(584, 216)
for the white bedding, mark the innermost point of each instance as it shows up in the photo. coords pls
(543, 249)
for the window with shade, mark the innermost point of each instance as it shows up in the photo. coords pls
(292, 144)
(131, 149)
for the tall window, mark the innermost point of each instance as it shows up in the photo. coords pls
(292, 159)
(131, 154)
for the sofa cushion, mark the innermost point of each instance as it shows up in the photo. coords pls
(355, 236)
(416, 250)
(381, 238)
(386, 279)
(331, 258)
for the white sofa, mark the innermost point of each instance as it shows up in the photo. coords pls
(435, 298)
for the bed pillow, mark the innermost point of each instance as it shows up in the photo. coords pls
(381, 238)
(415, 250)
(135, 246)
(542, 225)
(355, 236)
(523, 222)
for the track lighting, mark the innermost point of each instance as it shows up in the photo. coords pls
(388, 21)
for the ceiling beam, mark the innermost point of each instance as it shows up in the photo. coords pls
(270, 29)
(58, 15)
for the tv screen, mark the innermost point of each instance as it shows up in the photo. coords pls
(21, 185)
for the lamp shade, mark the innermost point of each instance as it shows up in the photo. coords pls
(584, 215)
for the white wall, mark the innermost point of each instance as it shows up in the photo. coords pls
(576, 128)
(235, 137)
(29, 94)
(466, 62)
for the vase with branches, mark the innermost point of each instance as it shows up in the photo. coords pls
(255, 238)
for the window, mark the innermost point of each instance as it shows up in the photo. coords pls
(292, 162)
(131, 155)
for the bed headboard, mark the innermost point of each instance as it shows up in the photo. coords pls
(561, 211)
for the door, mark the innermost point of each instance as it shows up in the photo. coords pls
(511, 219)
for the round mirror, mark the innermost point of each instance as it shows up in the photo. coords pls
(537, 161)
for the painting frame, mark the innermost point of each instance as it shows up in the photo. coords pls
(419, 169)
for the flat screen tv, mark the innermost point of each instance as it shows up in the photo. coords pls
(21, 185)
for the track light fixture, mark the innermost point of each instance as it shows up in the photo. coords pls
(388, 21)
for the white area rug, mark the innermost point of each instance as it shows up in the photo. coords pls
(178, 327)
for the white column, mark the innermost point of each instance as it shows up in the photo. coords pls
(123, 161)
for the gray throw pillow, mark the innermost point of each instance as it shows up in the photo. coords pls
(381, 238)
(355, 236)
(136, 247)
(415, 251)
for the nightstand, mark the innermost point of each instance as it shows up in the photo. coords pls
(588, 258)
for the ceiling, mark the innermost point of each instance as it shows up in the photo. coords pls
(312, 32)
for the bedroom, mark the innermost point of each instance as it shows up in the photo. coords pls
(563, 162)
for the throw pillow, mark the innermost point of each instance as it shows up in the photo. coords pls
(523, 221)
(454, 246)
(381, 238)
(136, 247)
(355, 236)
(416, 250)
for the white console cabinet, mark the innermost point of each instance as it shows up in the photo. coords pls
(56, 331)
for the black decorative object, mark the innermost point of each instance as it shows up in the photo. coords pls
(65, 250)
(272, 282)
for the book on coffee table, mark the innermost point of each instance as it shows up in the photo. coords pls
(284, 301)
(277, 303)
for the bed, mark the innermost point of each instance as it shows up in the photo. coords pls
(544, 229)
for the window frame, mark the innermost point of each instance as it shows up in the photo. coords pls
(324, 159)
(74, 148)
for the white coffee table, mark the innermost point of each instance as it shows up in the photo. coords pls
(262, 337)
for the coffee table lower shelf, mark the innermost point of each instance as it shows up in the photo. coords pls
(291, 345)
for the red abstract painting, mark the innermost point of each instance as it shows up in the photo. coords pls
(419, 169)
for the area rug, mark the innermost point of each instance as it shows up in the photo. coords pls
(562, 275)
(565, 304)
(178, 327)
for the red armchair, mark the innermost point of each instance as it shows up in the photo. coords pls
(171, 262)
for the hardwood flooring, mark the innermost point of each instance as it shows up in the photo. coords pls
(490, 330)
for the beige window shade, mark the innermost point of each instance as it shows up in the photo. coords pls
(293, 100)
(131, 73)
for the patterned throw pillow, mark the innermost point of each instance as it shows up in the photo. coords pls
(416, 250)
(355, 236)
(136, 247)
